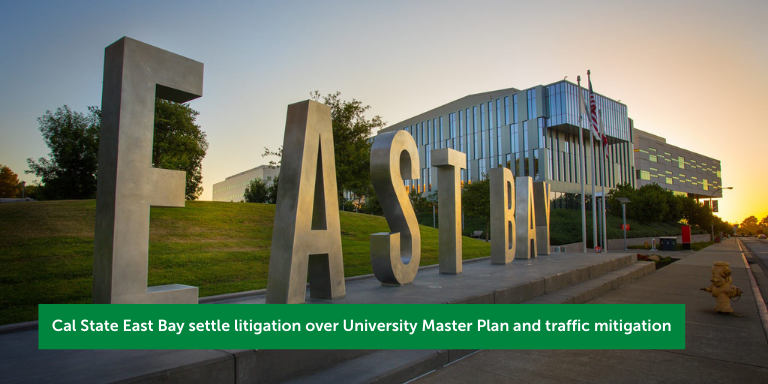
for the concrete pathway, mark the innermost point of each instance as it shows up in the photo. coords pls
(719, 348)
(481, 282)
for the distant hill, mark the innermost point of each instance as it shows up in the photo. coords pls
(46, 250)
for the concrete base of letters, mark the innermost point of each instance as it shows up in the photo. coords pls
(520, 281)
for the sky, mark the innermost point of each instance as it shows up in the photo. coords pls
(689, 71)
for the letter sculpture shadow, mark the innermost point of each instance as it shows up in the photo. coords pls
(306, 238)
(134, 74)
(395, 256)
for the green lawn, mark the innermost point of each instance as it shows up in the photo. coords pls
(46, 250)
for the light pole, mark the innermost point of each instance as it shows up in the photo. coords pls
(712, 210)
(624, 201)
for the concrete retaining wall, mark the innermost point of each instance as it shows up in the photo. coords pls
(618, 244)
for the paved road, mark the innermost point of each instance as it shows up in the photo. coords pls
(759, 247)
(719, 348)
(758, 259)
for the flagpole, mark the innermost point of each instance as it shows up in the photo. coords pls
(582, 172)
(594, 178)
(603, 181)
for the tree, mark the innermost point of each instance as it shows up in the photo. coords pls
(179, 144)
(621, 190)
(476, 200)
(420, 203)
(372, 205)
(653, 204)
(675, 204)
(9, 183)
(696, 214)
(34, 192)
(256, 192)
(722, 226)
(764, 224)
(70, 172)
(351, 143)
(749, 226)
(272, 191)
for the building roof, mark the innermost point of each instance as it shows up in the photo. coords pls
(662, 140)
(452, 106)
(250, 170)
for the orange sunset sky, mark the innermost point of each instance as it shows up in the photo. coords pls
(693, 72)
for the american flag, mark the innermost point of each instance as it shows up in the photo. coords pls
(602, 131)
(593, 113)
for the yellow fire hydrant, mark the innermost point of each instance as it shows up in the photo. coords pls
(721, 287)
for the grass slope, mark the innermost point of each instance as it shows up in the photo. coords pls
(46, 250)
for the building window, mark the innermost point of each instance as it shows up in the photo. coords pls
(513, 117)
(498, 113)
(531, 103)
(513, 146)
(652, 158)
(491, 143)
(498, 143)
(482, 117)
(461, 138)
(468, 133)
(490, 115)
(483, 133)
(506, 110)
(476, 131)
(525, 136)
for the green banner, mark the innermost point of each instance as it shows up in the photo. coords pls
(362, 326)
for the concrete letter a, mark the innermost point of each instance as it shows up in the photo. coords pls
(306, 237)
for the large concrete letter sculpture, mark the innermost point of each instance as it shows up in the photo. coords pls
(395, 256)
(449, 163)
(502, 216)
(134, 74)
(306, 237)
(541, 202)
(525, 219)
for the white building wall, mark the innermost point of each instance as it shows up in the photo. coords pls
(233, 187)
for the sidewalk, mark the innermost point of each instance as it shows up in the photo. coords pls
(719, 348)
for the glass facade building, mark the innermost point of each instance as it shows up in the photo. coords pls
(675, 168)
(534, 132)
